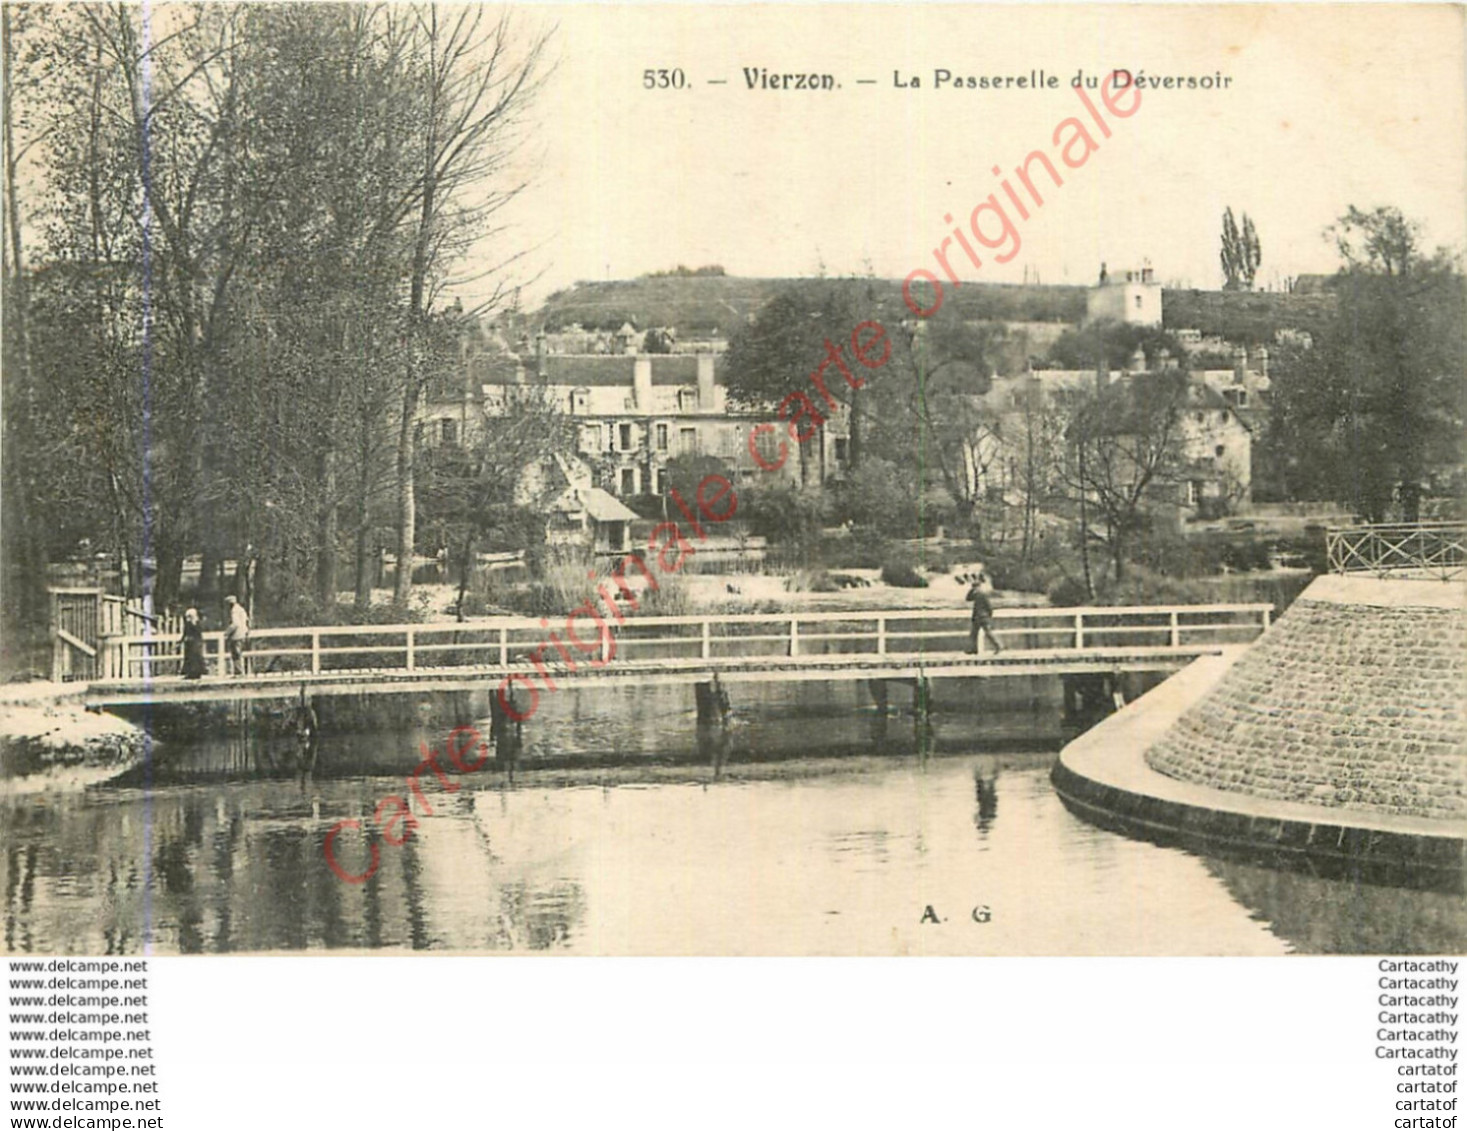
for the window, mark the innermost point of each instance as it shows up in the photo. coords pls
(662, 437)
(662, 480)
(449, 431)
(1202, 418)
(628, 481)
(688, 441)
(1194, 492)
(1218, 451)
(687, 400)
(624, 437)
(580, 401)
(1138, 302)
(842, 449)
(1226, 416)
(1242, 398)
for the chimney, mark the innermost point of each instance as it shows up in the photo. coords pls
(1240, 365)
(642, 382)
(705, 382)
(1260, 361)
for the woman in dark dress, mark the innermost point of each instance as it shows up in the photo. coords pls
(193, 645)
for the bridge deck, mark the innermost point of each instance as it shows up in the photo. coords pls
(744, 648)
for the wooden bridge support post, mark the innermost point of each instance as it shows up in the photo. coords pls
(922, 697)
(877, 687)
(712, 702)
(1071, 685)
(506, 732)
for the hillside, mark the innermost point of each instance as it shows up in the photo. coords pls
(1250, 317)
(695, 306)
(698, 305)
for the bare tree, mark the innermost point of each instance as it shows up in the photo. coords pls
(1123, 448)
(474, 82)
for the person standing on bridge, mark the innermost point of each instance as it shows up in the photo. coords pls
(236, 634)
(193, 645)
(982, 613)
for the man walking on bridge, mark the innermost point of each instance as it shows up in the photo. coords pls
(982, 613)
(236, 634)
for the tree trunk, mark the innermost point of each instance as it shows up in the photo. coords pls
(402, 589)
(1085, 530)
(24, 549)
(364, 568)
(326, 531)
(170, 574)
(208, 590)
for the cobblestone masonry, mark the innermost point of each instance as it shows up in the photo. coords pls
(1348, 706)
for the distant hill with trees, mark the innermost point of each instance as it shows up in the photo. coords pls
(696, 304)
(1248, 317)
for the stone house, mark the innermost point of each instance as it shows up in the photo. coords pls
(578, 513)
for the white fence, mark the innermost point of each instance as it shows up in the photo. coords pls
(503, 642)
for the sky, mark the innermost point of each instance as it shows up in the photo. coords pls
(1327, 106)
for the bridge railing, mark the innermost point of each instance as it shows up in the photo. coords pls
(513, 642)
(1428, 549)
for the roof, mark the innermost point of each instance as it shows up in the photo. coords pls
(618, 368)
(604, 507)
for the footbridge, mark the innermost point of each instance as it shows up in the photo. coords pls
(896, 644)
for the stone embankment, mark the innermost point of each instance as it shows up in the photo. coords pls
(1341, 736)
(1354, 701)
(48, 740)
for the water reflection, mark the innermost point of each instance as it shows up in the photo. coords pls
(794, 829)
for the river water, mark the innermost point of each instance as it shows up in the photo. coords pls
(812, 825)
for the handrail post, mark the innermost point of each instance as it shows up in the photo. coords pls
(707, 639)
(1267, 617)
(1079, 631)
(503, 646)
(1176, 631)
(412, 656)
(315, 651)
(794, 636)
(223, 652)
(881, 636)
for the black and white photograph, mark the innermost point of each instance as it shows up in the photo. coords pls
(670, 480)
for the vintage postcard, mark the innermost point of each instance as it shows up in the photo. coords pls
(753, 480)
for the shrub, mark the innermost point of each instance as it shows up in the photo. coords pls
(861, 549)
(877, 494)
(788, 517)
(1244, 556)
(811, 581)
(902, 575)
(1050, 562)
(303, 610)
(1068, 592)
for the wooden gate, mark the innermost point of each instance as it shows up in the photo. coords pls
(88, 626)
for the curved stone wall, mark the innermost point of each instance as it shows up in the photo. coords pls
(1357, 699)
